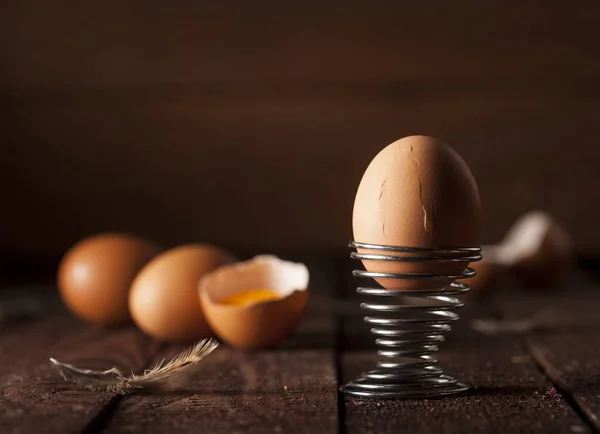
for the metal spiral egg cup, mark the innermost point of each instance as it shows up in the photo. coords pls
(409, 324)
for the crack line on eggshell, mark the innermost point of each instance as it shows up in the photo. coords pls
(381, 189)
(425, 219)
(410, 155)
(381, 192)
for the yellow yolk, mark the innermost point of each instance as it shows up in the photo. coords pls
(251, 296)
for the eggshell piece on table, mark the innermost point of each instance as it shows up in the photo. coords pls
(262, 324)
(95, 275)
(164, 299)
(538, 250)
(416, 192)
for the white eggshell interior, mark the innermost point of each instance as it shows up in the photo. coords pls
(526, 236)
(261, 272)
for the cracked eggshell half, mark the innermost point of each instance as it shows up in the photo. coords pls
(417, 192)
(262, 324)
(538, 250)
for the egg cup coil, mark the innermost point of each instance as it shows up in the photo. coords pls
(408, 325)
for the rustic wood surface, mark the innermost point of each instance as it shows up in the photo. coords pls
(34, 399)
(570, 355)
(541, 381)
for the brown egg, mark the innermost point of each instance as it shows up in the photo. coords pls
(251, 322)
(417, 192)
(164, 296)
(95, 275)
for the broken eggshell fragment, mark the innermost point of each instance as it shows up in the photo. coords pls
(538, 250)
(260, 324)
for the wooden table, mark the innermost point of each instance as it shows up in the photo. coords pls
(537, 382)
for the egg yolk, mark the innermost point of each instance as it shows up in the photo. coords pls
(252, 296)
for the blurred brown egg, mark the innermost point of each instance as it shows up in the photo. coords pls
(257, 303)
(95, 275)
(164, 297)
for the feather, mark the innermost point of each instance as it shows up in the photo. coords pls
(113, 380)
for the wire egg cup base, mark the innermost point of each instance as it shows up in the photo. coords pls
(409, 324)
(357, 389)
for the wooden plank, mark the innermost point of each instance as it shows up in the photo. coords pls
(569, 353)
(234, 392)
(509, 395)
(33, 396)
(179, 102)
(573, 302)
(198, 144)
(571, 360)
(139, 43)
(291, 389)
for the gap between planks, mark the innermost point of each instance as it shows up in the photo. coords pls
(569, 356)
(33, 396)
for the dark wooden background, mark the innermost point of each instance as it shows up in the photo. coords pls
(249, 124)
